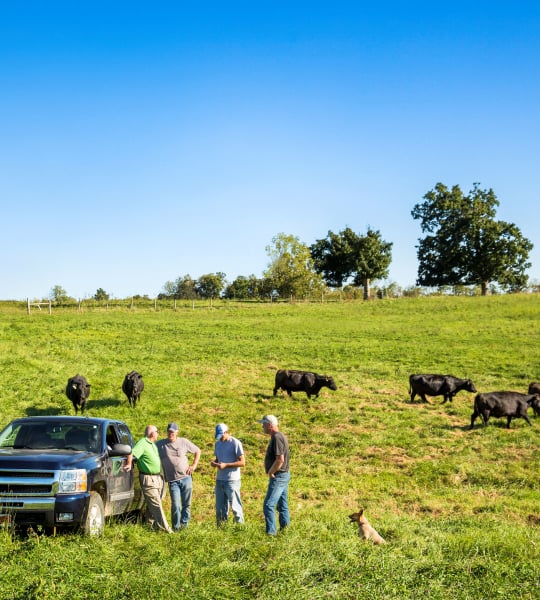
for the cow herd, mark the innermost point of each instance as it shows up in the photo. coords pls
(512, 405)
(78, 390)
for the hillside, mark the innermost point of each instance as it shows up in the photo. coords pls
(460, 509)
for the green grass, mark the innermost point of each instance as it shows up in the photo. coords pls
(460, 509)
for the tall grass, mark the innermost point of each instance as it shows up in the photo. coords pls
(460, 509)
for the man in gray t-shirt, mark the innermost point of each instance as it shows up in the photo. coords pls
(178, 473)
(228, 458)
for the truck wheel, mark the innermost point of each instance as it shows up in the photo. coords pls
(94, 522)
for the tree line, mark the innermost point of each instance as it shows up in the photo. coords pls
(464, 245)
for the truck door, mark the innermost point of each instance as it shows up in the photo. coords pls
(120, 486)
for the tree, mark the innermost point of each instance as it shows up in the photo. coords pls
(344, 255)
(291, 270)
(58, 294)
(465, 245)
(168, 291)
(101, 295)
(185, 288)
(210, 285)
(244, 288)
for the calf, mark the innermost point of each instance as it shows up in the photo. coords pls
(132, 387)
(302, 381)
(78, 390)
(438, 385)
(512, 405)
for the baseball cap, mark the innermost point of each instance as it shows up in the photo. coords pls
(172, 427)
(269, 419)
(220, 430)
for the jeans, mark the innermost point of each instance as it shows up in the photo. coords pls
(277, 496)
(228, 492)
(181, 492)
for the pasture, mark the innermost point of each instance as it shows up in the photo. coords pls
(459, 509)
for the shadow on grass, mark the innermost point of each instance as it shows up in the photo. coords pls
(480, 427)
(265, 397)
(33, 411)
(104, 403)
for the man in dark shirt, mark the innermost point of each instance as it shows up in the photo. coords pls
(276, 465)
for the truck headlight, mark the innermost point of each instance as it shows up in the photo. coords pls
(73, 480)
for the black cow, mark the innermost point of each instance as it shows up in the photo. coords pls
(132, 387)
(302, 381)
(534, 388)
(78, 390)
(438, 385)
(512, 405)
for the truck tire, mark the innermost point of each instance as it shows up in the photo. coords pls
(94, 522)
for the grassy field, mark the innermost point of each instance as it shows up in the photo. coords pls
(460, 509)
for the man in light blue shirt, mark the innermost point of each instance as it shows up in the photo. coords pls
(228, 459)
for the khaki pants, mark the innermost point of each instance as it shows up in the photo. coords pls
(152, 488)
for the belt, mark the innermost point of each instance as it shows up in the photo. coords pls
(152, 474)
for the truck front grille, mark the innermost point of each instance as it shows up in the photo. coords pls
(14, 482)
(17, 488)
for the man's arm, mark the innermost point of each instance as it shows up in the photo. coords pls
(276, 465)
(239, 462)
(193, 466)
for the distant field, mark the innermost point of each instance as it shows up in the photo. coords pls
(460, 509)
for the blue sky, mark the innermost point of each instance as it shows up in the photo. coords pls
(143, 141)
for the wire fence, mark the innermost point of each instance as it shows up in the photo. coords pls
(158, 304)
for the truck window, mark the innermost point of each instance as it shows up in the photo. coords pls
(125, 435)
(111, 436)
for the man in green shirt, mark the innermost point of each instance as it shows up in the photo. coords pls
(149, 465)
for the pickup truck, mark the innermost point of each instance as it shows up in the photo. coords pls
(66, 472)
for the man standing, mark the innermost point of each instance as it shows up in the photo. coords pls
(149, 465)
(229, 457)
(276, 465)
(178, 473)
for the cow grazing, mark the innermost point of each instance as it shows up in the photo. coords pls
(302, 381)
(132, 387)
(438, 385)
(78, 390)
(512, 405)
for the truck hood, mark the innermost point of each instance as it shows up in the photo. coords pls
(11, 458)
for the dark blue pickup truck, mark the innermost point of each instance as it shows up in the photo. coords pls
(66, 472)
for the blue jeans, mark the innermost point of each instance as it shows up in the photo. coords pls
(228, 492)
(181, 492)
(277, 496)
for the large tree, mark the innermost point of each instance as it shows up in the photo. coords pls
(210, 285)
(101, 295)
(345, 255)
(291, 271)
(183, 289)
(245, 288)
(58, 294)
(465, 245)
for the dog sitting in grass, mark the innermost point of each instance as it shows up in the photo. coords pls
(365, 530)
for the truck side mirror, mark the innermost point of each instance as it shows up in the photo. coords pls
(120, 450)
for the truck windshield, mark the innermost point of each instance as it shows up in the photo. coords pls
(51, 436)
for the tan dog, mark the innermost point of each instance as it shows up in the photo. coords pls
(365, 530)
